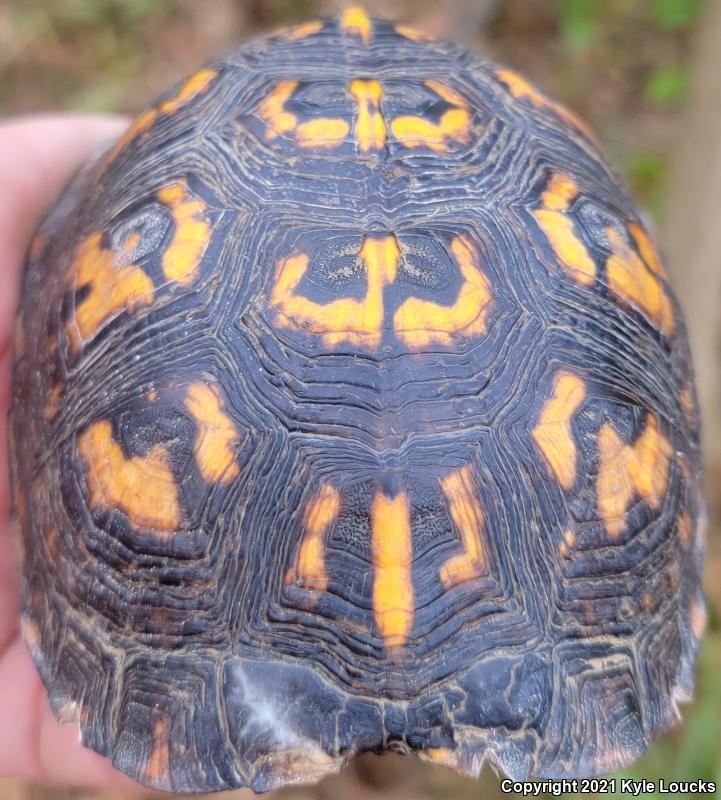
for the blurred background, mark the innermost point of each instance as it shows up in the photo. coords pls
(646, 74)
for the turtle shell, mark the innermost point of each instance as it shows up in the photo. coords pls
(353, 411)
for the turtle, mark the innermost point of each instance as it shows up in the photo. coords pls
(353, 412)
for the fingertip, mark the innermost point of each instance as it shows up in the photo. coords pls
(65, 760)
(38, 154)
(20, 688)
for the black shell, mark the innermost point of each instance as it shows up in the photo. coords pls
(353, 411)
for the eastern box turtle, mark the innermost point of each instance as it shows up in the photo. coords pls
(353, 411)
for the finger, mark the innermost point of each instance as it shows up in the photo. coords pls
(9, 601)
(38, 154)
(33, 744)
(19, 696)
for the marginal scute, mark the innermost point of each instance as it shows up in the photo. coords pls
(699, 617)
(52, 403)
(687, 399)
(157, 769)
(281, 721)
(195, 85)
(685, 529)
(626, 470)
(411, 33)
(648, 251)
(444, 756)
(522, 90)
(355, 22)
(298, 32)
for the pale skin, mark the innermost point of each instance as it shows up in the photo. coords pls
(37, 156)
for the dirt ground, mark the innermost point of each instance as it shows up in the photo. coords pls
(645, 74)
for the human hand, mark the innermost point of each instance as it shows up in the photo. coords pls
(37, 156)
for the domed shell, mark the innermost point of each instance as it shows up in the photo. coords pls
(353, 411)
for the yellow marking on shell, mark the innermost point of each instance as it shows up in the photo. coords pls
(324, 132)
(157, 768)
(685, 529)
(635, 281)
(419, 323)
(393, 600)
(36, 245)
(414, 35)
(568, 543)
(112, 288)
(272, 110)
(648, 251)
(20, 339)
(454, 125)
(358, 322)
(191, 235)
(370, 127)
(31, 635)
(465, 509)
(303, 31)
(141, 124)
(553, 433)
(217, 435)
(195, 85)
(560, 192)
(444, 756)
(52, 402)
(688, 403)
(356, 22)
(699, 617)
(521, 89)
(52, 540)
(142, 487)
(303, 763)
(321, 513)
(558, 229)
(626, 470)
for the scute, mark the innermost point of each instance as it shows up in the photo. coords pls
(357, 415)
